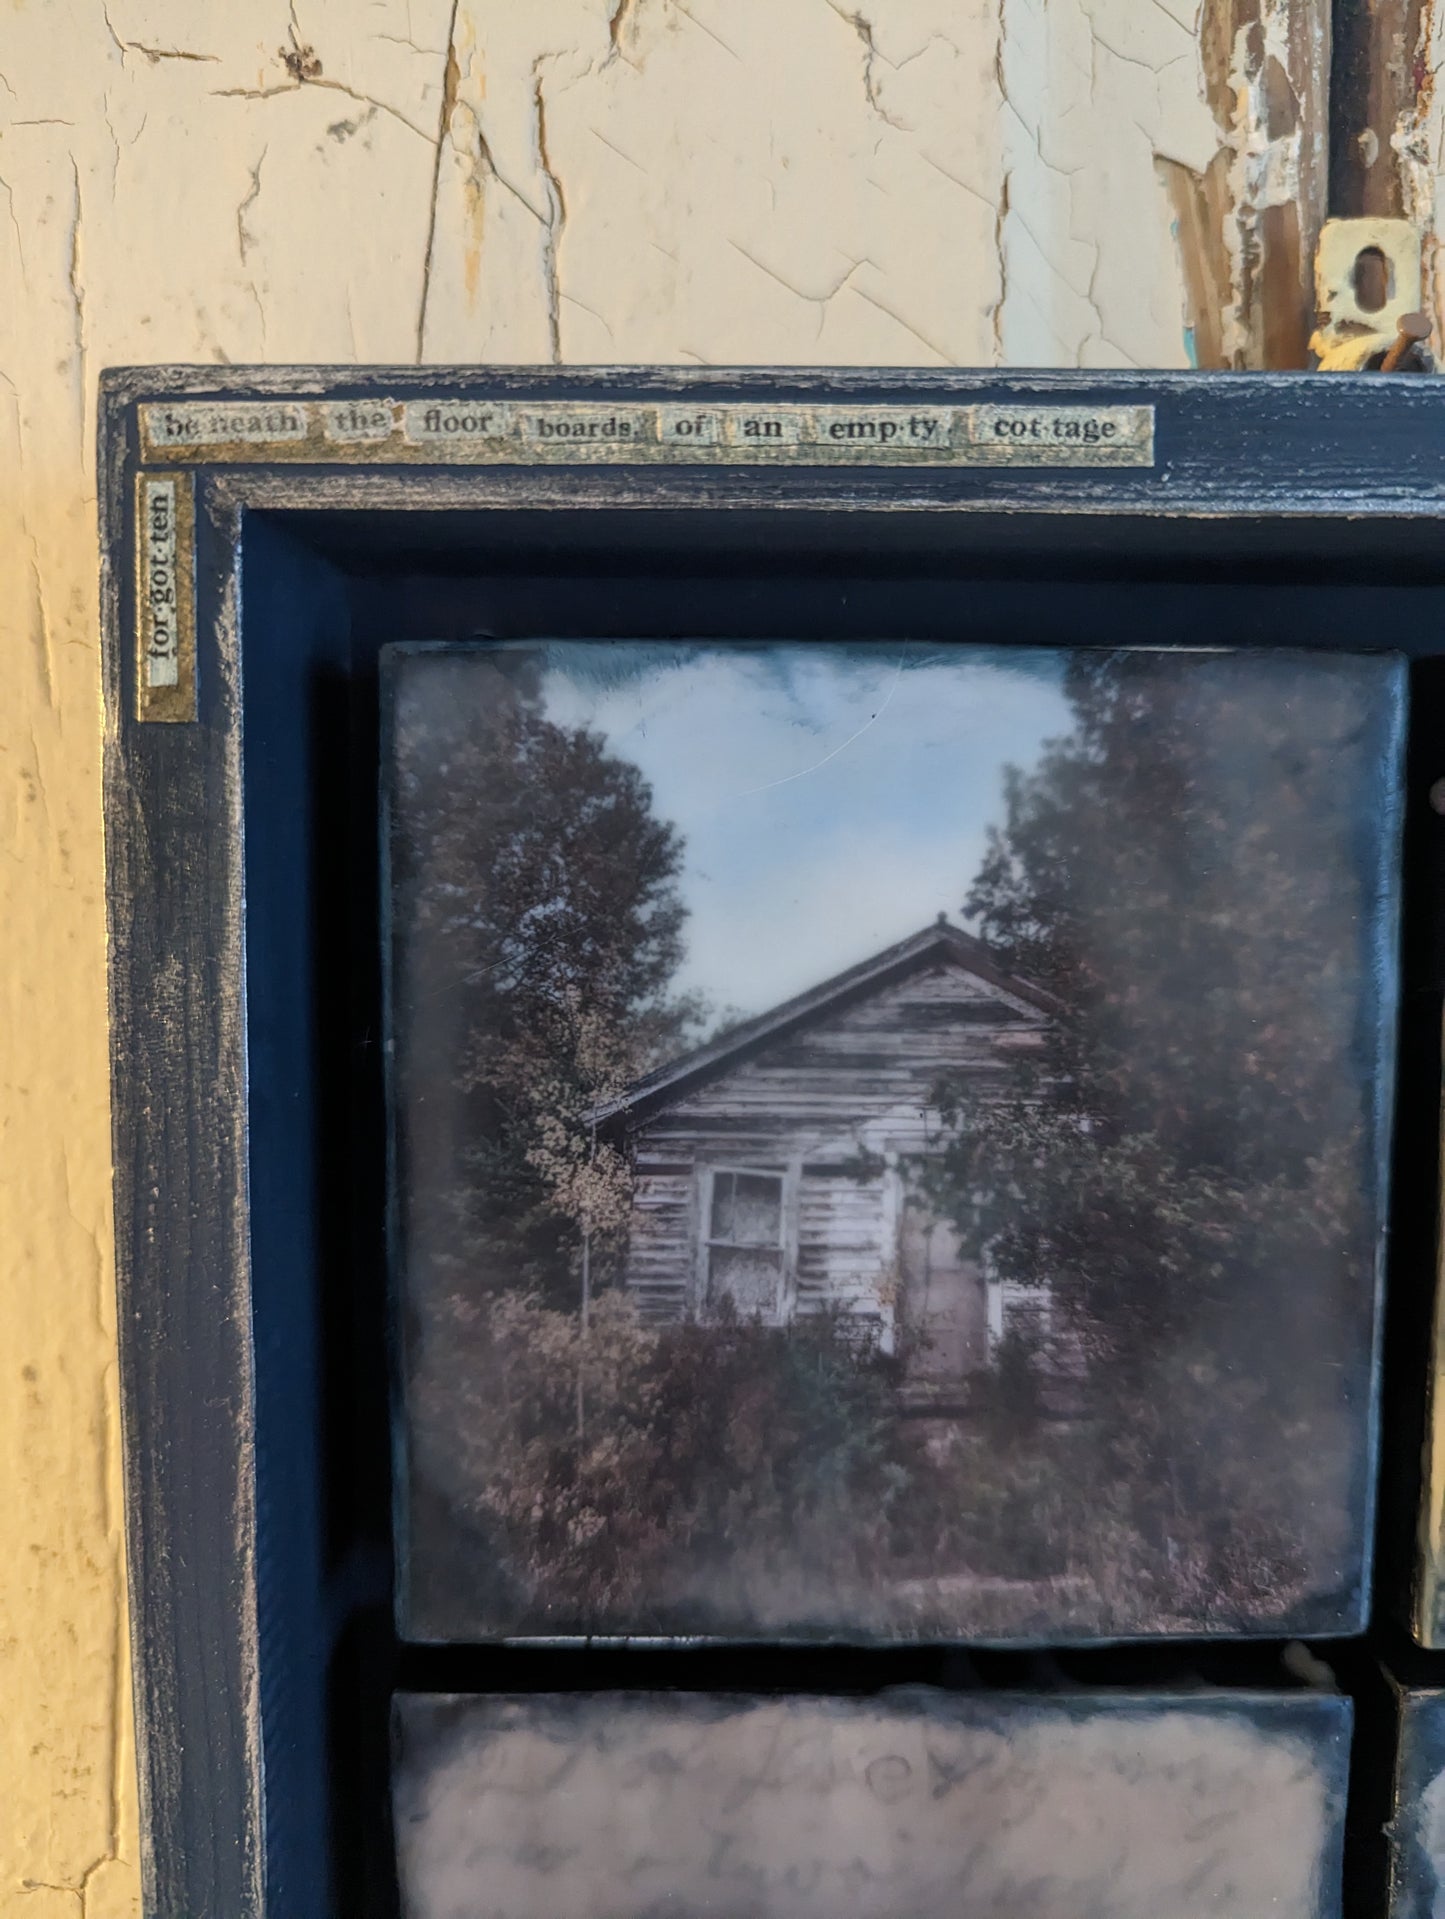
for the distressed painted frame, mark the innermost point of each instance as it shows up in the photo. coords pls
(1299, 472)
(1414, 1827)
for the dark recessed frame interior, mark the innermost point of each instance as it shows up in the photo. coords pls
(321, 593)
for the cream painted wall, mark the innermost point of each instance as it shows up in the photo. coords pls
(893, 181)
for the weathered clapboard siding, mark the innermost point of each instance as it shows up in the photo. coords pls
(843, 1253)
(660, 1244)
(865, 1061)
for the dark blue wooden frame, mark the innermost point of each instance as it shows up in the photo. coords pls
(1415, 1867)
(1301, 510)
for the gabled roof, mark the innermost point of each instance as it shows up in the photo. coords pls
(939, 941)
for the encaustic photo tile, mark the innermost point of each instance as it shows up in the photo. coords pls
(1429, 1597)
(888, 1141)
(917, 1805)
(1417, 1830)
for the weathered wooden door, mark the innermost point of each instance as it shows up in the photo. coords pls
(944, 1305)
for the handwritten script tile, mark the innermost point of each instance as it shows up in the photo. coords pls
(915, 1805)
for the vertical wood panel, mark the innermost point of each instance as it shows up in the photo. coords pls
(1247, 223)
(175, 899)
(1388, 124)
(1381, 80)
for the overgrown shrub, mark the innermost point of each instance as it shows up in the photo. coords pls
(736, 1476)
(698, 1465)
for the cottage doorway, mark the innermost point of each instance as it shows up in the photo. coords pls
(945, 1301)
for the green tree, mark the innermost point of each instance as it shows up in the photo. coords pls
(536, 929)
(1191, 1159)
(730, 1476)
(536, 926)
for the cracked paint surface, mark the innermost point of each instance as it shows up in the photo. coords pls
(934, 182)
(929, 182)
(1091, 92)
(1417, 143)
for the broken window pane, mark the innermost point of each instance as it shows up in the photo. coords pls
(746, 1275)
(747, 1209)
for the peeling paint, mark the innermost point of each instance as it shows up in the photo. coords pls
(1092, 94)
(556, 222)
(1246, 224)
(618, 25)
(1417, 145)
(76, 278)
(872, 59)
(1383, 80)
(301, 61)
(450, 80)
(1200, 207)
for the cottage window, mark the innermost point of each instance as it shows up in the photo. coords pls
(745, 1243)
(1016, 1310)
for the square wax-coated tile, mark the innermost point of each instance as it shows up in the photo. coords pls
(889, 1141)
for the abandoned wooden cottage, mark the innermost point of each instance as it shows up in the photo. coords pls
(777, 1167)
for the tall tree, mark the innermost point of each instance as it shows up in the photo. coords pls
(1192, 1161)
(537, 925)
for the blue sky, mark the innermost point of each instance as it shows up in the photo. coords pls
(833, 798)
